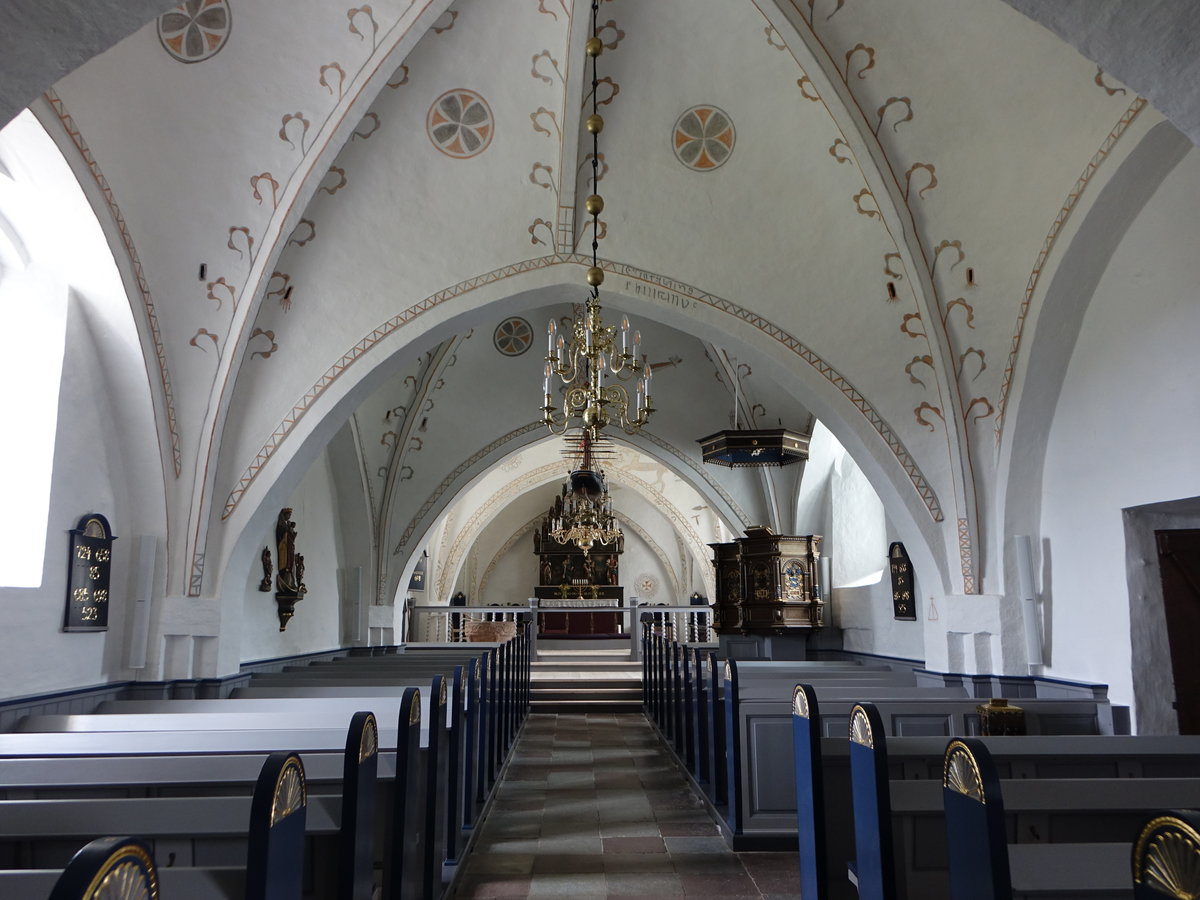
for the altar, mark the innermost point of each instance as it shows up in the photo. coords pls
(581, 621)
(568, 577)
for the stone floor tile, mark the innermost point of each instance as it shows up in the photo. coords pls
(488, 886)
(567, 863)
(713, 845)
(622, 827)
(718, 884)
(634, 845)
(658, 886)
(593, 807)
(706, 828)
(561, 887)
(771, 864)
(500, 863)
(571, 843)
(510, 845)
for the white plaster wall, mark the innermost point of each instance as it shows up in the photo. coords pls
(315, 625)
(639, 561)
(90, 475)
(514, 577)
(861, 601)
(813, 509)
(105, 456)
(1124, 434)
(858, 542)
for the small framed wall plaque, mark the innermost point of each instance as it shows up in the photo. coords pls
(88, 575)
(903, 602)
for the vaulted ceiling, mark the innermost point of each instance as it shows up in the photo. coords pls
(324, 215)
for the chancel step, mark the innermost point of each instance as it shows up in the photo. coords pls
(584, 683)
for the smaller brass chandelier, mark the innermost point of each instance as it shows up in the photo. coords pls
(585, 521)
(583, 514)
(595, 360)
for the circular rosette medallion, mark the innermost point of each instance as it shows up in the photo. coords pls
(195, 30)
(460, 123)
(647, 585)
(703, 138)
(513, 336)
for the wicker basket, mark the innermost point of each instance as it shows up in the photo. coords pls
(488, 632)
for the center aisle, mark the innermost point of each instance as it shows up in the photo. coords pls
(592, 807)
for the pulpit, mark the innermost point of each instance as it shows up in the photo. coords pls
(767, 583)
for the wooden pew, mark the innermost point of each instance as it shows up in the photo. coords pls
(167, 764)
(755, 763)
(504, 680)
(915, 764)
(512, 660)
(437, 760)
(984, 863)
(1070, 822)
(705, 717)
(444, 750)
(124, 858)
(507, 671)
(759, 727)
(466, 789)
(810, 793)
(319, 704)
(479, 739)
(275, 845)
(1167, 848)
(711, 713)
(273, 840)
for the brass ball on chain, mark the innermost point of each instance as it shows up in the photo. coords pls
(594, 205)
(595, 276)
(594, 416)
(595, 123)
(594, 46)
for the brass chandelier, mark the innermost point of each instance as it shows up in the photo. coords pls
(586, 520)
(595, 361)
(583, 514)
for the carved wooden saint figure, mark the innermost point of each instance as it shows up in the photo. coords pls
(285, 541)
(289, 580)
(268, 568)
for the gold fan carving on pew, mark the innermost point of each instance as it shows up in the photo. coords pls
(442, 694)
(290, 793)
(961, 772)
(126, 875)
(860, 728)
(799, 702)
(368, 744)
(1171, 861)
(414, 711)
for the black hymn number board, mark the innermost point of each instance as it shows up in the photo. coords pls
(903, 602)
(88, 575)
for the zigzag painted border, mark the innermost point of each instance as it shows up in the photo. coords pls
(966, 556)
(1048, 244)
(160, 350)
(445, 483)
(793, 344)
(695, 467)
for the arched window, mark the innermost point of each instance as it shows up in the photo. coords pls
(40, 202)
